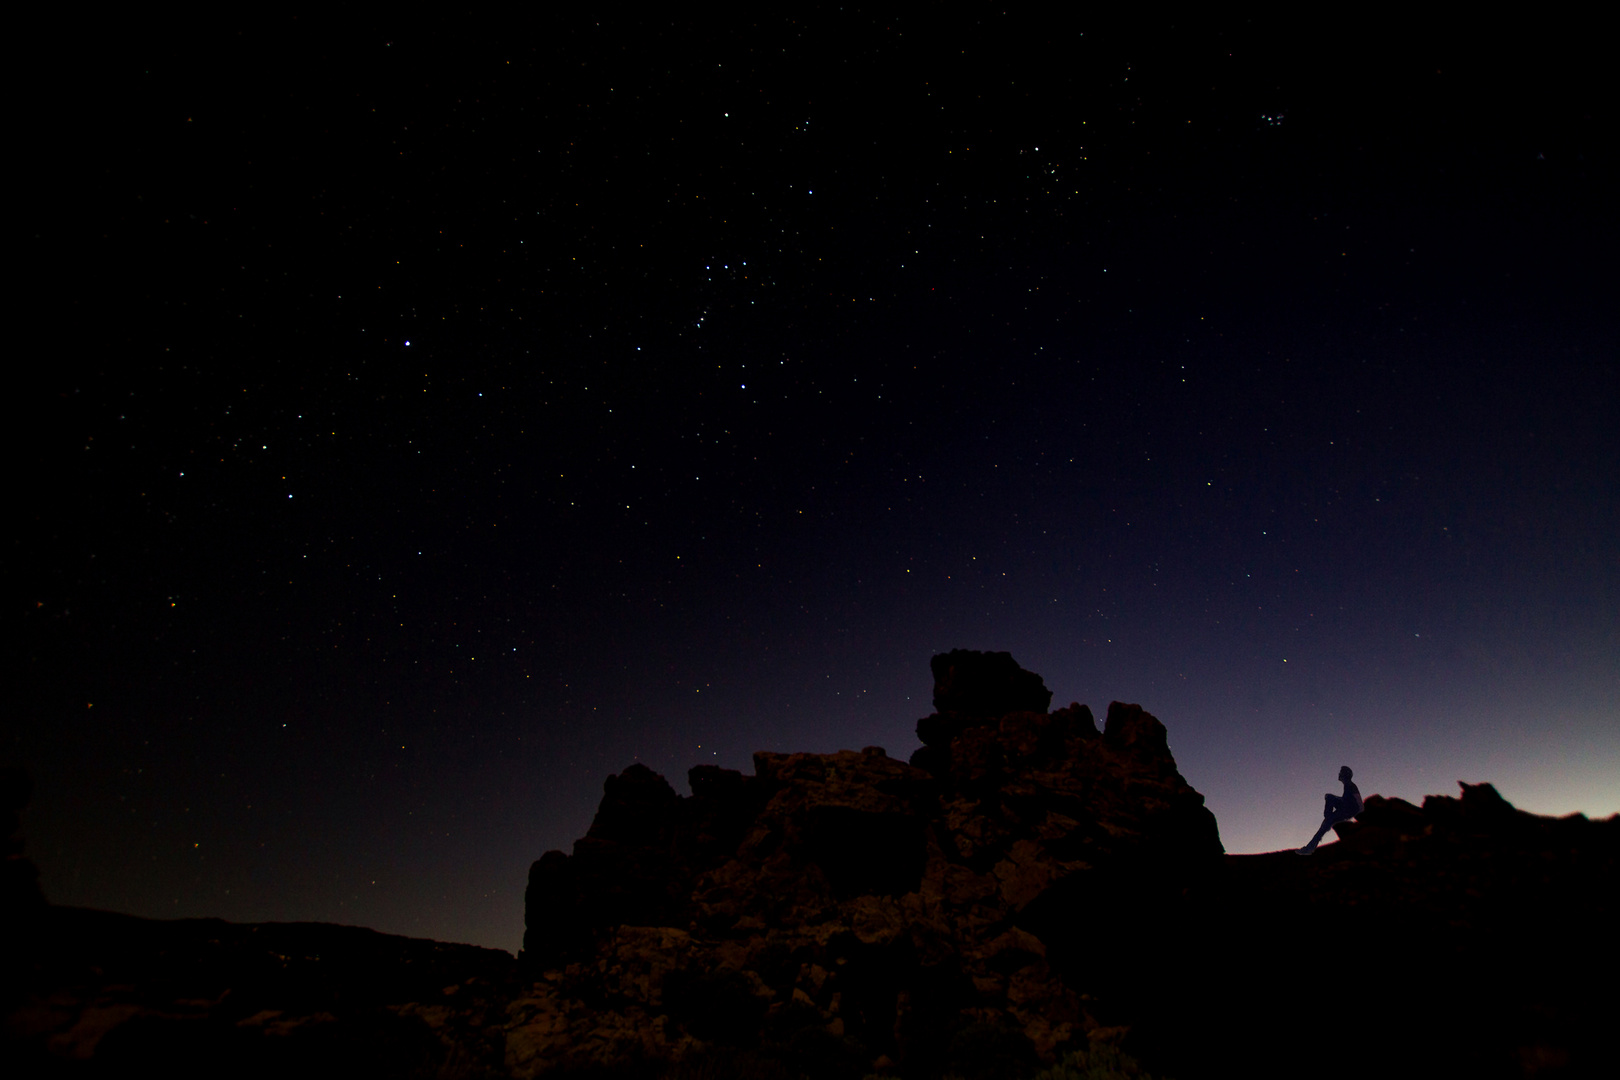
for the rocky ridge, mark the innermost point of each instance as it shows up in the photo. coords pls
(867, 906)
(1025, 884)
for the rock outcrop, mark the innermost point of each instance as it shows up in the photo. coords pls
(1026, 885)
(1459, 938)
(869, 909)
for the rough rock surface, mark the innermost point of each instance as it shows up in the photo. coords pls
(852, 900)
(1029, 884)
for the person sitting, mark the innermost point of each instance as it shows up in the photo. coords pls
(1337, 808)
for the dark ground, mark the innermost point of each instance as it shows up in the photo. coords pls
(1458, 939)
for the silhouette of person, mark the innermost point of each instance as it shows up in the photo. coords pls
(1337, 808)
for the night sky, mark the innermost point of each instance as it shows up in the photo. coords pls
(417, 424)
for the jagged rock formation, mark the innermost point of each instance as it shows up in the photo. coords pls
(1027, 884)
(1027, 881)
(851, 900)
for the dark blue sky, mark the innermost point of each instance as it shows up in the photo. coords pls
(432, 421)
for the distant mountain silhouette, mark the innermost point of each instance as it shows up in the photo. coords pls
(1027, 885)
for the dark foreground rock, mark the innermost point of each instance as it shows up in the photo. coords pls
(1028, 884)
(852, 909)
(92, 993)
(1460, 938)
(1025, 886)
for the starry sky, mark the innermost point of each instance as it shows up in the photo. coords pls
(420, 423)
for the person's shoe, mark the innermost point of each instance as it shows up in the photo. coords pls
(1311, 850)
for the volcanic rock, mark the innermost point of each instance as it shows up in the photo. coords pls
(972, 688)
(1030, 886)
(852, 900)
(985, 685)
(1451, 939)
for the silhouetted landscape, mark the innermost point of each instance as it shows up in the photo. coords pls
(1028, 889)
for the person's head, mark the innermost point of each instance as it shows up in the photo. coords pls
(1345, 773)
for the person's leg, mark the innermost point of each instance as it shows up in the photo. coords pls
(1338, 809)
(1335, 808)
(1327, 823)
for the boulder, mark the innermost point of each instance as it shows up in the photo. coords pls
(985, 685)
